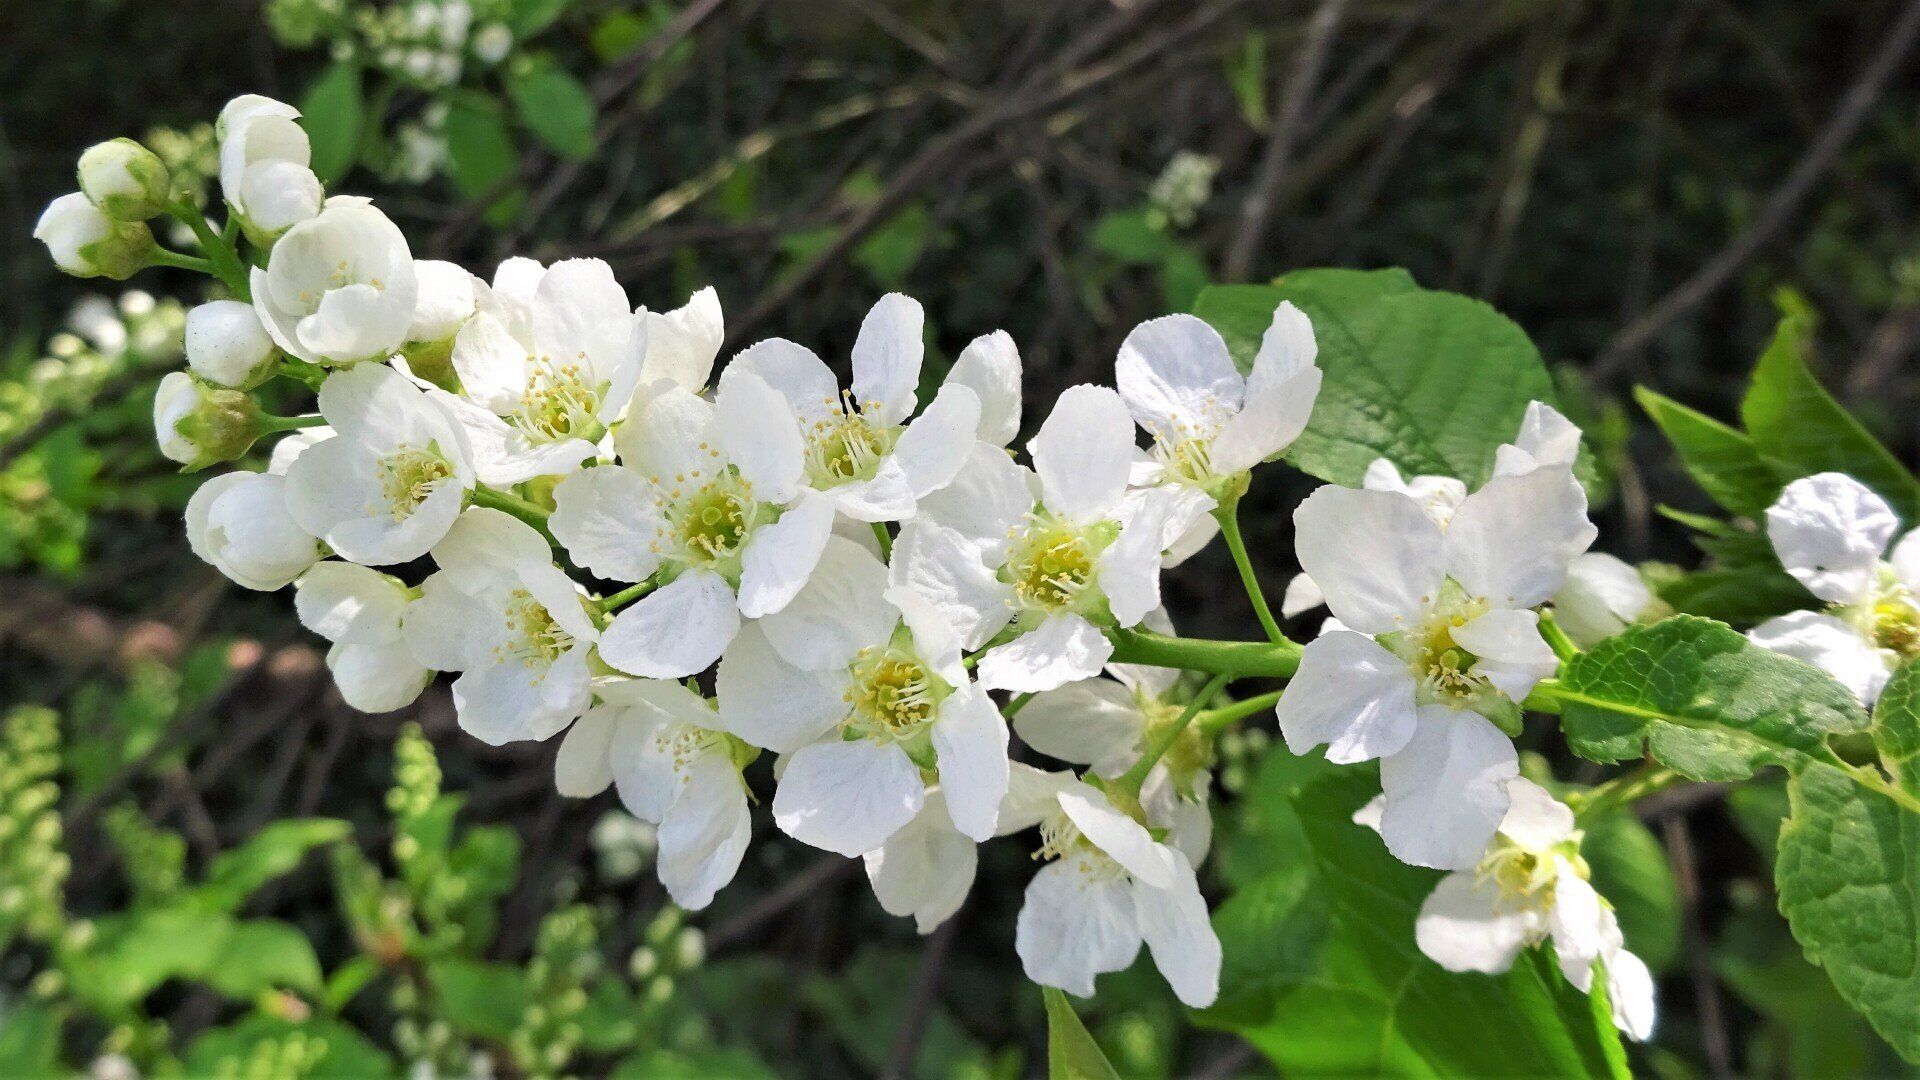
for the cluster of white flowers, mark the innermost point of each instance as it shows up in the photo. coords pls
(677, 572)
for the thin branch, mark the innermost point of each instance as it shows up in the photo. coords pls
(1706, 990)
(926, 988)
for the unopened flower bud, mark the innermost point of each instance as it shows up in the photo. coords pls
(279, 195)
(227, 346)
(238, 522)
(85, 242)
(127, 181)
(492, 43)
(199, 424)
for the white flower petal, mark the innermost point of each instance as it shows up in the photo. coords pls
(666, 440)
(609, 521)
(1511, 541)
(988, 496)
(1094, 722)
(1513, 655)
(675, 631)
(377, 678)
(1447, 790)
(1829, 530)
(885, 496)
(1180, 935)
(970, 748)
(1832, 646)
(705, 832)
(837, 614)
(1125, 840)
(1302, 595)
(779, 558)
(1074, 925)
(1063, 648)
(682, 343)
(509, 701)
(847, 797)
(887, 355)
(583, 768)
(941, 565)
(1083, 453)
(1033, 795)
(800, 376)
(351, 604)
(1375, 555)
(1351, 694)
(1535, 819)
(1602, 596)
(990, 367)
(1129, 570)
(926, 869)
(1905, 559)
(934, 447)
(491, 363)
(1463, 926)
(1177, 378)
(485, 542)
(1546, 438)
(1583, 930)
(448, 630)
(760, 436)
(769, 702)
(1630, 990)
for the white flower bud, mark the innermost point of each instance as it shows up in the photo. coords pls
(226, 345)
(238, 522)
(127, 181)
(198, 424)
(339, 287)
(492, 43)
(445, 302)
(280, 195)
(85, 242)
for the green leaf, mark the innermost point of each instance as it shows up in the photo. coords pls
(263, 954)
(1351, 994)
(331, 112)
(1849, 883)
(890, 252)
(555, 107)
(132, 955)
(692, 1065)
(30, 1041)
(272, 852)
(481, 152)
(1630, 869)
(1432, 381)
(1797, 425)
(528, 17)
(346, 1054)
(1703, 700)
(1724, 462)
(1896, 727)
(478, 998)
(1130, 236)
(1071, 1052)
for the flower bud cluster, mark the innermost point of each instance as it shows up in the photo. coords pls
(33, 863)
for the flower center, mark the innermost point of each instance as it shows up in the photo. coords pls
(535, 639)
(1052, 564)
(847, 444)
(558, 402)
(408, 475)
(893, 695)
(1526, 876)
(1189, 461)
(1061, 839)
(1442, 667)
(1191, 753)
(709, 518)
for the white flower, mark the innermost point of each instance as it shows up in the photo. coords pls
(390, 482)
(1209, 424)
(1546, 438)
(864, 695)
(1602, 597)
(444, 304)
(85, 242)
(511, 622)
(1831, 534)
(1111, 886)
(546, 364)
(339, 287)
(239, 523)
(860, 451)
(125, 180)
(661, 746)
(681, 346)
(1528, 886)
(361, 612)
(1435, 636)
(1061, 565)
(226, 344)
(264, 164)
(710, 499)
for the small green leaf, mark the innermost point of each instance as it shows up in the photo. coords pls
(30, 1041)
(1849, 882)
(1704, 700)
(133, 954)
(1129, 236)
(1432, 381)
(1071, 1052)
(555, 107)
(331, 113)
(528, 17)
(1797, 425)
(481, 152)
(1721, 460)
(264, 954)
(1896, 727)
(480, 998)
(272, 852)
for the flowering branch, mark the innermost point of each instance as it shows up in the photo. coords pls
(1240, 659)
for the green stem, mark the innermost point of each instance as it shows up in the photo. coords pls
(1228, 515)
(881, 534)
(1138, 774)
(1018, 702)
(531, 513)
(163, 257)
(272, 424)
(626, 596)
(299, 370)
(221, 255)
(1628, 787)
(1216, 720)
(1241, 659)
(1562, 645)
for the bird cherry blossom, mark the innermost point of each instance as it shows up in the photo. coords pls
(1832, 534)
(361, 612)
(339, 287)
